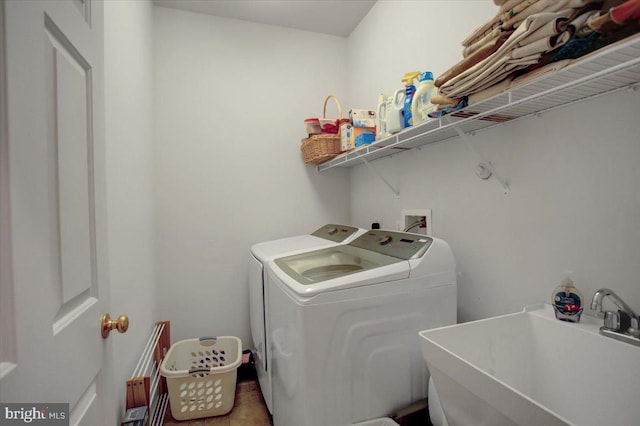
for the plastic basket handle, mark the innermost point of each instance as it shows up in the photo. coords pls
(324, 107)
(199, 370)
(208, 340)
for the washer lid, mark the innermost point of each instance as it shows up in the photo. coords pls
(332, 262)
(374, 257)
(326, 236)
(335, 268)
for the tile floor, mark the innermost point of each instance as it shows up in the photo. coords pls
(249, 409)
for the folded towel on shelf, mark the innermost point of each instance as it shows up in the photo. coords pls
(550, 36)
(482, 31)
(581, 20)
(512, 13)
(546, 44)
(530, 9)
(546, 6)
(444, 101)
(509, 5)
(582, 46)
(527, 39)
(491, 91)
(553, 27)
(537, 73)
(481, 54)
(493, 26)
(488, 38)
(502, 62)
(594, 30)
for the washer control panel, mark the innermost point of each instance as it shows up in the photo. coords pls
(335, 233)
(402, 245)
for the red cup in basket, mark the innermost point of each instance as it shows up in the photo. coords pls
(313, 126)
(329, 125)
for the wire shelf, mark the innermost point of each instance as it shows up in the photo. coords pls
(613, 68)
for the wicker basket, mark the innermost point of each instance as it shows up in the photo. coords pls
(330, 125)
(317, 149)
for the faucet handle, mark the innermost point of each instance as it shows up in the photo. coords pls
(625, 320)
(612, 320)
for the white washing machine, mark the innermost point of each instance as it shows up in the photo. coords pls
(326, 236)
(344, 323)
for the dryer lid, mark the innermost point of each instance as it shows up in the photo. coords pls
(271, 249)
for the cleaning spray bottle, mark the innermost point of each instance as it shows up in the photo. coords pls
(421, 105)
(567, 301)
(409, 91)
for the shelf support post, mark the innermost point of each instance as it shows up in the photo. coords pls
(377, 173)
(503, 183)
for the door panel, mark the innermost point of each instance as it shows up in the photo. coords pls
(55, 139)
(72, 144)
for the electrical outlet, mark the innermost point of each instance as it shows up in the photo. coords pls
(417, 221)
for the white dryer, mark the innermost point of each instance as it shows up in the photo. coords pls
(326, 236)
(344, 323)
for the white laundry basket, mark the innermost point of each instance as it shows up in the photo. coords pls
(201, 376)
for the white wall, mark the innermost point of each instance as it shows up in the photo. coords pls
(399, 36)
(230, 101)
(128, 97)
(573, 175)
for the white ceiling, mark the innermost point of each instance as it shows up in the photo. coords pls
(337, 17)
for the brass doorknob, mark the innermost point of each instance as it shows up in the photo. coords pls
(121, 324)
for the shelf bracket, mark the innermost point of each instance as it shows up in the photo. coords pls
(503, 183)
(377, 173)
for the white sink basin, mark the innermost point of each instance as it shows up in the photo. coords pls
(530, 369)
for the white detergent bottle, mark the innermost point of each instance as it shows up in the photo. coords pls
(422, 106)
(395, 116)
(384, 102)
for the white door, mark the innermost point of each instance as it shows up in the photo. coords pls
(55, 193)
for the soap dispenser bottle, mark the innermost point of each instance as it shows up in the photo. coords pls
(567, 301)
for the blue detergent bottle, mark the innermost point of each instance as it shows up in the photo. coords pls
(410, 90)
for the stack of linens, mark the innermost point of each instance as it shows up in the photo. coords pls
(528, 35)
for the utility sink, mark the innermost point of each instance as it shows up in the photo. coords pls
(529, 368)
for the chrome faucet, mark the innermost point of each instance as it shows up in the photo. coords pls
(622, 325)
